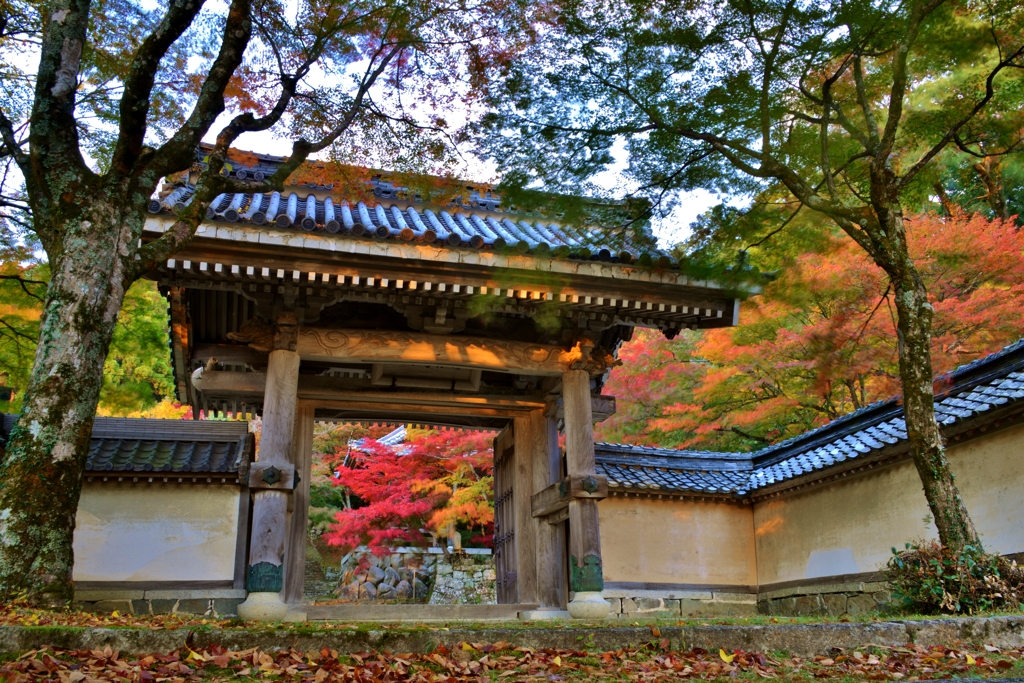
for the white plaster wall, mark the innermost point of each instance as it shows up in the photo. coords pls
(851, 525)
(156, 532)
(677, 541)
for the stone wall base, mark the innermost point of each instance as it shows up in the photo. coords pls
(221, 604)
(831, 599)
(651, 604)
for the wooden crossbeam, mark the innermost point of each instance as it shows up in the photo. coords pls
(556, 497)
(354, 392)
(369, 346)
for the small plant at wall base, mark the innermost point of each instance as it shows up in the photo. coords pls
(927, 578)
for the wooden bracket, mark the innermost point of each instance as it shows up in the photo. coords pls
(559, 517)
(271, 476)
(556, 497)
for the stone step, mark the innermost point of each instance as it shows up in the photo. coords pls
(412, 612)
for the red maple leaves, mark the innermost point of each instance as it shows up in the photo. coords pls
(820, 342)
(434, 479)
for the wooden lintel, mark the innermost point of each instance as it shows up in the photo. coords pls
(556, 497)
(388, 409)
(323, 390)
(278, 476)
(369, 346)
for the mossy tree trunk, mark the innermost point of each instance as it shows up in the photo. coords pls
(45, 457)
(888, 247)
(91, 223)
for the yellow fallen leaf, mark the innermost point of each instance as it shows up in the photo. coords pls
(467, 647)
(115, 614)
(558, 661)
(726, 658)
(971, 661)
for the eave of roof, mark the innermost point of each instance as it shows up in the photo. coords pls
(453, 233)
(163, 447)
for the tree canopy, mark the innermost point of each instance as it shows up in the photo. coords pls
(844, 110)
(820, 342)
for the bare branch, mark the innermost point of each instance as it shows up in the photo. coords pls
(24, 284)
(16, 332)
(138, 86)
(177, 153)
(11, 144)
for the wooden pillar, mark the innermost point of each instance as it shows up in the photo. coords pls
(295, 546)
(265, 575)
(551, 583)
(585, 568)
(523, 432)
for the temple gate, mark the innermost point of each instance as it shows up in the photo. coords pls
(305, 306)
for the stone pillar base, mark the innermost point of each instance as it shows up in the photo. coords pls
(586, 605)
(550, 614)
(262, 607)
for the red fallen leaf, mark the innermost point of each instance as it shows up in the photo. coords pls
(1004, 664)
(656, 632)
(665, 644)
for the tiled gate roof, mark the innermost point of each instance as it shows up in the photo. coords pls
(475, 221)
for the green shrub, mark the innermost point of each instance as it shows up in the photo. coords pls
(927, 578)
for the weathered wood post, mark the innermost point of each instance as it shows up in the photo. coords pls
(298, 522)
(585, 568)
(526, 530)
(273, 478)
(547, 470)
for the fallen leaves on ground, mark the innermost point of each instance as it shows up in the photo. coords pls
(17, 614)
(501, 661)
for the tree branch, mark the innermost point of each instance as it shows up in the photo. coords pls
(11, 145)
(23, 282)
(955, 129)
(177, 153)
(138, 86)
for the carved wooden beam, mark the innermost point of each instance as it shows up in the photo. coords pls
(557, 496)
(368, 346)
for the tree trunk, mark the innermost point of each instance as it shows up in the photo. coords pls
(989, 170)
(914, 326)
(41, 473)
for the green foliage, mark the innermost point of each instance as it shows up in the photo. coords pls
(137, 374)
(20, 308)
(927, 578)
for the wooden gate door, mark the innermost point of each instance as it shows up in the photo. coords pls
(505, 517)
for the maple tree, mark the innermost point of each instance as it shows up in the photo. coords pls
(435, 479)
(105, 98)
(820, 342)
(847, 109)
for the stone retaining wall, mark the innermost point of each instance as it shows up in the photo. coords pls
(832, 599)
(407, 575)
(633, 604)
(419, 575)
(467, 579)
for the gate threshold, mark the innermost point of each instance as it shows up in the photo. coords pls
(416, 613)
